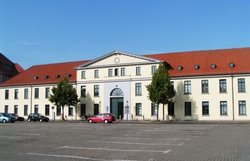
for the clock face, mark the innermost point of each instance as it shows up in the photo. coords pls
(117, 60)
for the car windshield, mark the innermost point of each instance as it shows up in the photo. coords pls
(5, 114)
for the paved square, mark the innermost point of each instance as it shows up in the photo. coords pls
(65, 141)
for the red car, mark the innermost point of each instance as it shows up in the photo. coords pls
(102, 117)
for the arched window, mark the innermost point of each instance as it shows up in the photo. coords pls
(116, 92)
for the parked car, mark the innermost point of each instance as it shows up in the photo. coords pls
(37, 117)
(6, 118)
(17, 118)
(102, 118)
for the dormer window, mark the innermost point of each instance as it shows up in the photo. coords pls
(231, 65)
(179, 67)
(213, 66)
(46, 77)
(58, 76)
(36, 77)
(196, 67)
(68, 75)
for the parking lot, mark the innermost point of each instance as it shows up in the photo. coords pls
(64, 141)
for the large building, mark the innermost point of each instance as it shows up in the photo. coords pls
(209, 85)
(8, 69)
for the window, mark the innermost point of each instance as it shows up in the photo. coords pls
(223, 107)
(205, 108)
(223, 85)
(36, 92)
(36, 109)
(16, 94)
(204, 86)
(138, 109)
(242, 108)
(83, 76)
(188, 109)
(96, 74)
(137, 89)
(26, 93)
(187, 87)
(70, 112)
(138, 70)
(58, 110)
(241, 85)
(47, 92)
(122, 71)
(153, 69)
(116, 72)
(47, 110)
(110, 72)
(6, 109)
(6, 94)
(83, 91)
(153, 109)
(25, 110)
(15, 109)
(96, 109)
(83, 110)
(96, 90)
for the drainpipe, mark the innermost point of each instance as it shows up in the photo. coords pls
(77, 103)
(232, 78)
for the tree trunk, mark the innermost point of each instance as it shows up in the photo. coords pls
(163, 112)
(62, 112)
(157, 111)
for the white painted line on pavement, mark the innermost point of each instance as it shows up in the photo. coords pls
(141, 138)
(8, 137)
(154, 144)
(120, 150)
(75, 157)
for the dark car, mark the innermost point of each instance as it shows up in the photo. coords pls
(37, 117)
(102, 117)
(17, 118)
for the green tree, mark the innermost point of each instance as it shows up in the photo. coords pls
(64, 94)
(161, 90)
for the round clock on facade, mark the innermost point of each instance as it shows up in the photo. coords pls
(117, 60)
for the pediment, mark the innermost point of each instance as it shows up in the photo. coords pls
(117, 58)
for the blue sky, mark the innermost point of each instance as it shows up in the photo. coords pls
(49, 31)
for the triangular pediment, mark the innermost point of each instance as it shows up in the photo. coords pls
(117, 58)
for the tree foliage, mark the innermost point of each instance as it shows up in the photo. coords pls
(161, 90)
(64, 94)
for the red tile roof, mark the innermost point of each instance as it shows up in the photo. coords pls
(19, 69)
(45, 74)
(240, 57)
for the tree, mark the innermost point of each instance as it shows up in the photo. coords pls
(64, 94)
(161, 90)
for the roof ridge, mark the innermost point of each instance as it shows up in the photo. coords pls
(197, 51)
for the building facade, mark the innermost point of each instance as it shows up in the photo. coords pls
(209, 85)
(8, 69)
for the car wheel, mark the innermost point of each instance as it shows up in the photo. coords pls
(90, 121)
(106, 121)
(4, 121)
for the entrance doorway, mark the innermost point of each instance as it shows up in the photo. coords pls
(116, 103)
(116, 107)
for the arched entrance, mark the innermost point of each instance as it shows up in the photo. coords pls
(116, 103)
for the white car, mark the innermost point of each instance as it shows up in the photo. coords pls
(4, 118)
